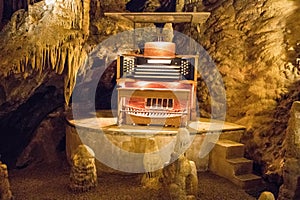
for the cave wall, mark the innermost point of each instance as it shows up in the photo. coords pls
(37, 96)
(254, 45)
(291, 167)
(42, 49)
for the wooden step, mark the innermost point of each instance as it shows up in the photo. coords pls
(229, 149)
(241, 165)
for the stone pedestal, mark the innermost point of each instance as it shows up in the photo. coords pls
(124, 139)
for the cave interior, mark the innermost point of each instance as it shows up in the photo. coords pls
(52, 52)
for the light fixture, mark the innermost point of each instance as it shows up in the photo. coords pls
(49, 2)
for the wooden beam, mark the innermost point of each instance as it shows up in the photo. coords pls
(162, 17)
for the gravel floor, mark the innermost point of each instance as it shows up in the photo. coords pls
(51, 183)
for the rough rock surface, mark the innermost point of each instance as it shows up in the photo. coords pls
(291, 168)
(48, 142)
(254, 45)
(266, 196)
(24, 109)
(180, 179)
(36, 71)
(83, 176)
(65, 24)
(5, 192)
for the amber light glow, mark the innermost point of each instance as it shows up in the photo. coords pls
(147, 84)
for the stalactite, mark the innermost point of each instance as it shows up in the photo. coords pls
(22, 64)
(62, 60)
(37, 59)
(70, 59)
(61, 47)
(53, 56)
(26, 61)
(33, 61)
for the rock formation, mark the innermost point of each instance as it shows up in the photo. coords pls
(41, 52)
(83, 175)
(5, 193)
(291, 167)
(152, 162)
(180, 175)
(180, 178)
(266, 196)
(254, 45)
(24, 51)
(48, 142)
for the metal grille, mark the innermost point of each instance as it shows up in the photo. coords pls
(158, 103)
(154, 113)
(128, 64)
(185, 67)
(155, 69)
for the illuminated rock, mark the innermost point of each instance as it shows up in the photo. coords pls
(5, 193)
(152, 162)
(83, 175)
(180, 178)
(291, 166)
(266, 196)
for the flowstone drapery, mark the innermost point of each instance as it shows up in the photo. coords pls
(48, 35)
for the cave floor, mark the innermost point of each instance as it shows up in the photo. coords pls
(51, 182)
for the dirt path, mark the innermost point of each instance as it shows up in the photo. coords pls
(51, 183)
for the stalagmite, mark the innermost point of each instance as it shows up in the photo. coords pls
(153, 164)
(5, 192)
(83, 175)
(180, 176)
(266, 196)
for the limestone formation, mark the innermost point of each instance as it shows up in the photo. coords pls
(65, 24)
(249, 41)
(44, 145)
(83, 175)
(180, 178)
(5, 192)
(180, 175)
(291, 167)
(266, 196)
(183, 141)
(153, 165)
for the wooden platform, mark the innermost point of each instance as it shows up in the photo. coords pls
(162, 17)
(94, 128)
(106, 121)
